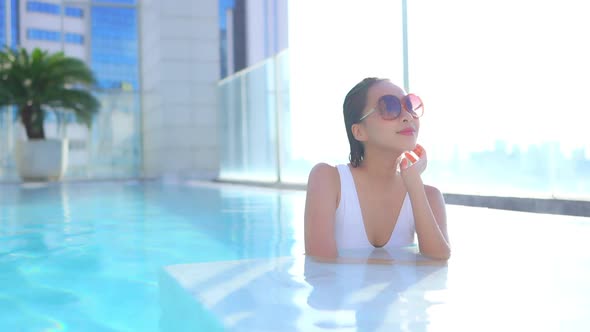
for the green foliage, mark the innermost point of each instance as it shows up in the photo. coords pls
(40, 82)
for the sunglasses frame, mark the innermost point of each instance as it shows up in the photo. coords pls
(403, 106)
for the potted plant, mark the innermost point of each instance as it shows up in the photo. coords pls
(36, 83)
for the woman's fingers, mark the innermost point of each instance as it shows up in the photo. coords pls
(404, 163)
(419, 150)
(411, 157)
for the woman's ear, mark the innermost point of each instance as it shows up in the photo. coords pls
(358, 132)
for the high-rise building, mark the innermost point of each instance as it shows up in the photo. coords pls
(101, 32)
(50, 26)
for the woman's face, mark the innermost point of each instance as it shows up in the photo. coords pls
(399, 134)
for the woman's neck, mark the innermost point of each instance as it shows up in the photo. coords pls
(380, 165)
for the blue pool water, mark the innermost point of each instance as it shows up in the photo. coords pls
(86, 256)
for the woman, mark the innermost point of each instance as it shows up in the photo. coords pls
(378, 200)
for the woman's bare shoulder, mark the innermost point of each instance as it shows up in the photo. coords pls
(323, 170)
(325, 178)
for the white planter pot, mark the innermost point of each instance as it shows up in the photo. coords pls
(42, 160)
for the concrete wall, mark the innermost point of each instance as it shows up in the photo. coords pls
(180, 71)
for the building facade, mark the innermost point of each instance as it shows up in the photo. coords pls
(53, 26)
(251, 31)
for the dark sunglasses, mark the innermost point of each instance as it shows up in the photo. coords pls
(390, 107)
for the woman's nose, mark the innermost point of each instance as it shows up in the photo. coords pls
(406, 116)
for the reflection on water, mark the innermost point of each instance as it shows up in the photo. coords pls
(301, 294)
(373, 297)
(509, 271)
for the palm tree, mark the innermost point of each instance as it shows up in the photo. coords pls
(39, 82)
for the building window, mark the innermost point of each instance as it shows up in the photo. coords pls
(3, 31)
(12, 31)
(114, 47)
(39, 34)
(43, 7)
(74, 12)
(14, 23)
(74, 38)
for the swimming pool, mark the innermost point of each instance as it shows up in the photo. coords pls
(87, 257)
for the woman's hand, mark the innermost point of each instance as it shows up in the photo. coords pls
(411, 168)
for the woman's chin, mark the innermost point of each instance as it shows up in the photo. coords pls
(408, 146)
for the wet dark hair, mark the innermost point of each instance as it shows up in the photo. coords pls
(354, 103)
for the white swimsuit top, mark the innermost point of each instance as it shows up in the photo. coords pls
(349, 225)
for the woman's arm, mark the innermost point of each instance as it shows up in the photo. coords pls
(323, 190)
(429, 209)
(430, 220)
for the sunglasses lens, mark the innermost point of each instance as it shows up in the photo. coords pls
(414, 105)
(389, 107)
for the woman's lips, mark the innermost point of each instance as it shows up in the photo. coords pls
(407, 132)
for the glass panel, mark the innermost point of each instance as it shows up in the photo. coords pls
(292, 170)
(231, 129)
(503, 88)
(7, 168)
(260, 145)
(115, 143)
(110, 149)
(248, 125)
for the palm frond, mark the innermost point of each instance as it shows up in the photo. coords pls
(48, 80)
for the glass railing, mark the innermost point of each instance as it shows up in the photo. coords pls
(7, 171)
(251, 102)
(110, 149)
(505, 116)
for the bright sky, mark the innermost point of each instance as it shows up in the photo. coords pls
(512, 70)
